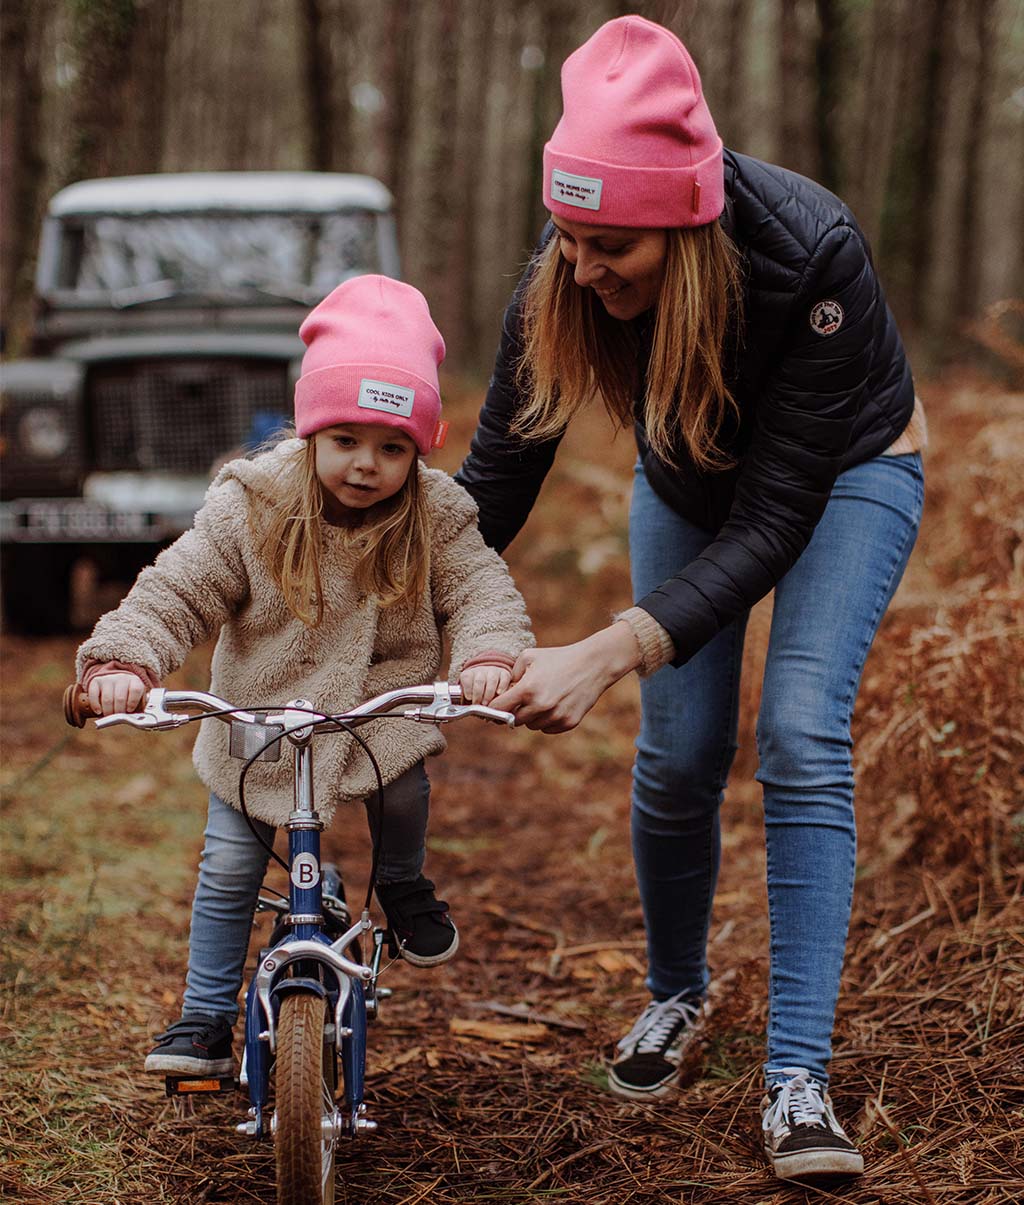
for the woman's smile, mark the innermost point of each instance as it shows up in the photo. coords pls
(622, 265)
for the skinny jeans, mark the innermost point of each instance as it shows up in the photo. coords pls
(232, 867)
(827, 609)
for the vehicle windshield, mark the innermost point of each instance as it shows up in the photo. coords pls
(263, 258)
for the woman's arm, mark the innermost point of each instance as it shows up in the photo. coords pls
(553, 689)
(503, 473)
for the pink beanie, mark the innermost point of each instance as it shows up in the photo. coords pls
(372, 354)
(636, 145)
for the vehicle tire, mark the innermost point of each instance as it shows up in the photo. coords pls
(305, 1078)
(36, 584)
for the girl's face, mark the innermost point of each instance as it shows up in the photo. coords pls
(360, 464)
(623, 266)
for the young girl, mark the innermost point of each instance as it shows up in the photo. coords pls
(331, 565)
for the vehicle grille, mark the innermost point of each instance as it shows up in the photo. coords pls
(182, 416)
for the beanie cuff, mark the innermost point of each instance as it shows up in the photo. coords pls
(333, 395)
(613, 194)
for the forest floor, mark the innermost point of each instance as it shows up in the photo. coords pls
(487, 1076)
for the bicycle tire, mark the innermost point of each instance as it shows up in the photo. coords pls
(304, 1079)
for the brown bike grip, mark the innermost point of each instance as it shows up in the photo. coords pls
(76, 706)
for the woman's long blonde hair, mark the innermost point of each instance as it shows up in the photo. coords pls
(392, 546)
(574, 351)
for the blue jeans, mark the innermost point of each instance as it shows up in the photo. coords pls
(826, 612)
(231, 870)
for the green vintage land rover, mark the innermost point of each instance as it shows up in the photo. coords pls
(165, 338)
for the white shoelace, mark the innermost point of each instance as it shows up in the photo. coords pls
(800, 1102)
(654, 1026)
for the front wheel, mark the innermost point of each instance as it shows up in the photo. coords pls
(305, 1080)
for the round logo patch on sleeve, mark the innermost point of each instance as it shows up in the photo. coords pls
(826, 317)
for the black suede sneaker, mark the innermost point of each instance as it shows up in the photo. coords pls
(421, 929)
(195, 1045)
(802, 1139)
(648, 1058)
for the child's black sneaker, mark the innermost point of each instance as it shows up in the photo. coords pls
(195, 1045)
(648, 1059)
(421, 928)
(802, 1139)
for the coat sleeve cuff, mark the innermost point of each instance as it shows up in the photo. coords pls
(97, 669)
(490, 657)
(656, 645)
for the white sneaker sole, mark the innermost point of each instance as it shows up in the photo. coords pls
(180, 1064)
(631, 1092)
(816, 1166)
(431, 960)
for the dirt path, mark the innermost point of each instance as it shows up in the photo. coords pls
(486, 1075)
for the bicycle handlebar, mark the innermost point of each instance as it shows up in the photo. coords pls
(440, 703)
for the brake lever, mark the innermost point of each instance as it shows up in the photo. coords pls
(154, 715)
(439, 713)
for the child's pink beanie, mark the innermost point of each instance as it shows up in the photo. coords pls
(372, 354)
(636, 145)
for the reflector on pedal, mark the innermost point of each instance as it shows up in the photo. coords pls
(176, 1086)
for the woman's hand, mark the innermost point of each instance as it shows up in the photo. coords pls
(480, 683)
(115, 692)
(553, 689)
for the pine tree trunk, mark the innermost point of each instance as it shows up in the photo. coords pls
(22, 162)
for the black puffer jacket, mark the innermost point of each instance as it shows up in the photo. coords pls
(822, 383)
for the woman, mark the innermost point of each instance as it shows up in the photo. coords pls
(729, 310)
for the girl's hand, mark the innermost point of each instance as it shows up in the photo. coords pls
(109, 693)
(480, 683)
(555, 688)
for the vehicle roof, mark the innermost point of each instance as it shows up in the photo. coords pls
(242, 192)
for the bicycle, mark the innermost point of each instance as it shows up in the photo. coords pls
(308, 1004)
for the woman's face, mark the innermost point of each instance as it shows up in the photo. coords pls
(624, 266)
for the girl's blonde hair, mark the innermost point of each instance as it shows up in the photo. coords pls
(392, 546)
(574, 351)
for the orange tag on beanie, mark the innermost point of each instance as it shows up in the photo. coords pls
(440, 434)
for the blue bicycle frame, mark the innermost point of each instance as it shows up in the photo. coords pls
(307, 960)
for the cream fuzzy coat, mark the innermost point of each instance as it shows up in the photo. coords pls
(213, 578)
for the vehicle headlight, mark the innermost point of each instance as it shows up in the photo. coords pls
(43, 431)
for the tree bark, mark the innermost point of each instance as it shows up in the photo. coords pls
(826, 104)
(22, 161)
(967, 297)
(317, 79)
(102, 34)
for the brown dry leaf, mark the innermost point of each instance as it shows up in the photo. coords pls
(393, 1062)
(498, 1031)
(617, 961)
(138, 789)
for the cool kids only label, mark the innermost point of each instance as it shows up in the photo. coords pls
(381, 395)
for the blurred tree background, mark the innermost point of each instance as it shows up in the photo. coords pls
(912, 110)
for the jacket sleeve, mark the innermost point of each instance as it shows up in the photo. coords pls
(475, 600)
(803, 422)
(503, 473)
(184, 597)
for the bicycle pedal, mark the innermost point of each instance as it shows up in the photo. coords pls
(177, 1085)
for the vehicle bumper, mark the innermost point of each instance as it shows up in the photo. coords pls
(82, 521)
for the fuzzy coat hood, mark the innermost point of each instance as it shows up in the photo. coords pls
(214, 578)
